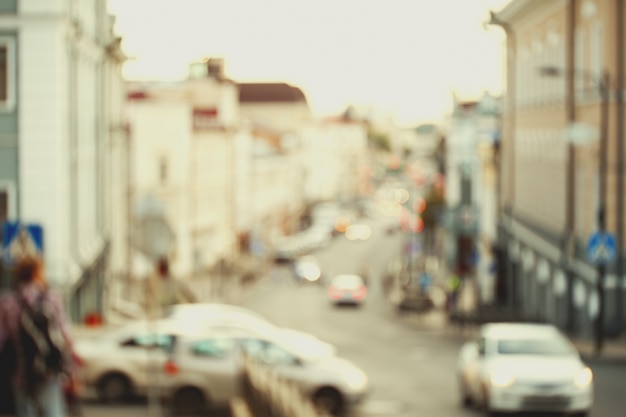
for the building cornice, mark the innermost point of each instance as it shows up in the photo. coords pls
(518, 10)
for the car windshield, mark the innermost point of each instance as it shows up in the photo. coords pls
(544, 346)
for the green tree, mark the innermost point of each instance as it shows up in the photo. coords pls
(379, 141)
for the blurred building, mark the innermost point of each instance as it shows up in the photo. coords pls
(552, 168)
(183, 158)
(61, 127)
(336, 160)
(472, 139)
(278, 115)
(222, 160)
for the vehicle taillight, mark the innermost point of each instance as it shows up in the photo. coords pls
(360, 292)
(171, 368)
(334, 292)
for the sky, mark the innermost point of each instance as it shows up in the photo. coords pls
(404, 58)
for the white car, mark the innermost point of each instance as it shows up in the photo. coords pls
(513, 367)
(229, 315)
(126, 361)
(133, 359)
(204, 371)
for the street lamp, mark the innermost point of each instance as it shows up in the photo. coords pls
(507, 155)
(601, 81)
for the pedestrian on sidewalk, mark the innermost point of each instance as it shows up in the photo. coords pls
(163, 290)
(454, 285)
(33, 323)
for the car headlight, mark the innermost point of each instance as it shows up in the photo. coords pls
(502, 379)
(356, 379)
(583, 378)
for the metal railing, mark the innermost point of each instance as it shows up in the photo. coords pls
(267, 394)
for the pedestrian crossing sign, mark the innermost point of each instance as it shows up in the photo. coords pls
(601, 248)
(20, 240)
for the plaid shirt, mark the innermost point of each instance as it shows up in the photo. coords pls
(11, 310)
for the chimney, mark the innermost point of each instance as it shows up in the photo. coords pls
(215, 68)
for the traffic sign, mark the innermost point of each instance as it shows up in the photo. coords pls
(601, 248)
(153, 235)
(21, 239)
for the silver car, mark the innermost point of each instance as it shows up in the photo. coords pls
(127, 361)
(512, 367)
(205, 370)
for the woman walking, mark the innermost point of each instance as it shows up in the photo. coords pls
(33, 321)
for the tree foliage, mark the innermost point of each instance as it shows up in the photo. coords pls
(379, 141)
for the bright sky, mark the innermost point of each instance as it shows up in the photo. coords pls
(404, 57)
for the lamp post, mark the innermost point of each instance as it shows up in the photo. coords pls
(601, 82)
(507, 157)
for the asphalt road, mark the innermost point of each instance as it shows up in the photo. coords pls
(410, 360)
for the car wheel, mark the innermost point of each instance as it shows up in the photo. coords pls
(189, 401)
(328, 401)
(114, 388)
(466, 399)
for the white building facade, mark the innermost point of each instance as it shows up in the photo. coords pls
(471, 190)
(59, 119)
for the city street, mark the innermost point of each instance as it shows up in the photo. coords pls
(410, 360)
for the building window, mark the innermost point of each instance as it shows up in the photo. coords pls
(4, 206)
(597, 50)
(163, 170)
(7, 76)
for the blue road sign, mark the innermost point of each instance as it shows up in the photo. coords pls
(19, 239)
(601, 248)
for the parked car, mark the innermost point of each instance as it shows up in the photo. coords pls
(125, 362)
(204, 370)
(512, 367)
(287, 249)
(130, 360)
(347, 289)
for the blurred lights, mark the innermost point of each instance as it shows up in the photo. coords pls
(170, 368)
(419, 205)
(502, 379)
(584, 378)
(390, 208)
(394, 162)
(358, 232)
(399, 195)
(356, 379)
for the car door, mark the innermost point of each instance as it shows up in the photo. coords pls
(142, 357)
(215, 364)
(284, 363)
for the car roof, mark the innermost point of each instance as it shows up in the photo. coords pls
(349, 279)
(514, 330)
